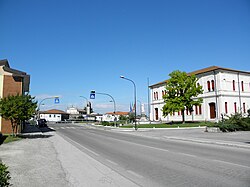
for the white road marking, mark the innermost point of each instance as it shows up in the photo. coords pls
(231, 163)
(135, 174)
(112, 162)
(187, 154)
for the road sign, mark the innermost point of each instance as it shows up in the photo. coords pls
(57, 101)
(92, 94)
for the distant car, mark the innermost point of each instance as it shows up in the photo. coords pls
(41, 123)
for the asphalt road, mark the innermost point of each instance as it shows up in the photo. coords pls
(157, 162)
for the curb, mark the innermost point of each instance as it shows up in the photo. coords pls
(224, 143)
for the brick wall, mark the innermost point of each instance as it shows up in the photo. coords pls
(11, 86)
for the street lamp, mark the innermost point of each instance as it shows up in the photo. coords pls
(38, 109)
(122, 77)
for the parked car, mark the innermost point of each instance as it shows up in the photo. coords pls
(41, 123)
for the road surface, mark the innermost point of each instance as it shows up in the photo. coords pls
(161, 162)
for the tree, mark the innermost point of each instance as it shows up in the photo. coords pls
(181, 92)
(17, 109)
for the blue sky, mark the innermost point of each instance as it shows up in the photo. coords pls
(70, 47)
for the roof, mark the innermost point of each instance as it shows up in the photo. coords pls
(118, 113)
(6, 67)
(204, 70)
(53, 111)
(4, 62)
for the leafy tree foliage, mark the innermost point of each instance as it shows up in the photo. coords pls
(17, 108)
(4, 175)
(181, 90)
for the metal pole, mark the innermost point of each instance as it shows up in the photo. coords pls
(148, 101)
(134, 97)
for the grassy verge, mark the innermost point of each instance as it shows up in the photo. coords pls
(174, 125)
(9, 138)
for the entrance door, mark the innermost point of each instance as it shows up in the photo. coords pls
(156, 114)
(212, 110)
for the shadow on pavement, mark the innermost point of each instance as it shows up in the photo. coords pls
(33, 131)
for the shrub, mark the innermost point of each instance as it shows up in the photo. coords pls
(235, 122)
(4, 175)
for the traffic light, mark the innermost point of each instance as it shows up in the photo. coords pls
(92, 94)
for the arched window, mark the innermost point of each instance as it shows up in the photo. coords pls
(226, 107)
(242, 86)
(208, 86)
(212, 82)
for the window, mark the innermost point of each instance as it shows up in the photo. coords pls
(163, 93)
(244, 107)
(200, 109)
(233, 85)
(242, 86)
(54, 115)
(179, 113)
(208, 86)
(226, 108)
(212, 85)
(50, 115)
(235, 107)
(156, 95)
(196, 110)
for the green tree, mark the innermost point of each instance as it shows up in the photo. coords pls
(17, 109)
(181, 92)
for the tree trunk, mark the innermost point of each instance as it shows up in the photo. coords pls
(183, 116)
(13, 127)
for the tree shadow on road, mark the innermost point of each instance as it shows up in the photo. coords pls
(33, 131)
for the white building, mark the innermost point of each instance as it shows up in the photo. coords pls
(226, 91)
(54, 115)
(110, 117)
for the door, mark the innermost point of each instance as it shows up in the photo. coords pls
(212, 110)
(156, 114)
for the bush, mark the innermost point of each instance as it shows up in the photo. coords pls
(4, 175)
(235, 122)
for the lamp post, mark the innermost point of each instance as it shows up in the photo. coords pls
(38, 109)
(122, 77)
(112, 100)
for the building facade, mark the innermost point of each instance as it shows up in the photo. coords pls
(54, 115)
(12, 82)
(225, 92)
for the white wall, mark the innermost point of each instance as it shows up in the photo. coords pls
(223, 90)
(51, 117)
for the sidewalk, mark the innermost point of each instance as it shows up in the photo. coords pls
(239, 139)
(49, 160)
